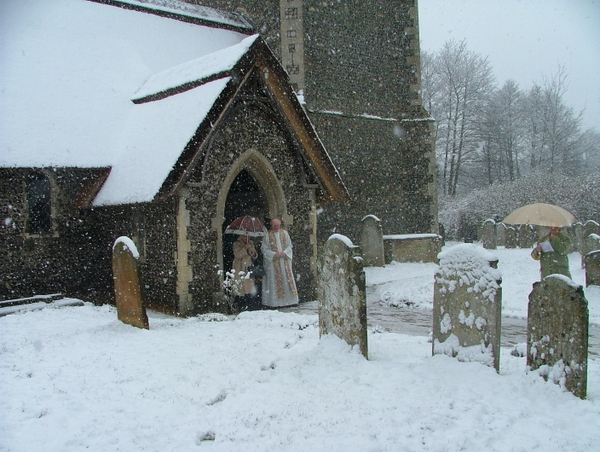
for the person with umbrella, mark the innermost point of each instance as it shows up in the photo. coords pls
(551, 249)
(244, 255)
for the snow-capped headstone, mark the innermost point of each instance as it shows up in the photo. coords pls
(488, 234)
(467, 305)
(128, 292)
(576, 234)
(590, 227)
(371, 242)
(342, 293)
(527, 236)
(500, 234)
(510, 237)
(557, 333)
(592, 268)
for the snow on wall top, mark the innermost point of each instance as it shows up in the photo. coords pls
(69, 69)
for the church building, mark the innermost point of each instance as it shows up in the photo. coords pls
(164, 120)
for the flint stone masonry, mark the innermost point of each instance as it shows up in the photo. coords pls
(557, 333)
(371, 242)
(488, 234)
(510, 237)
(527, 236)
(592, 268)
(341, 293)
(467, 305)
(412, 247)
(128, 293)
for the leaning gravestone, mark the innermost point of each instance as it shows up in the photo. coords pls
(557, 333)
(527, 236)
(488, 234)
(467, 305)
(371, 242)
(341, 293)
(510, 237)
(592, 268)
(128, 293)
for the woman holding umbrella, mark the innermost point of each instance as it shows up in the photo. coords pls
(244, 254)
(551, 249)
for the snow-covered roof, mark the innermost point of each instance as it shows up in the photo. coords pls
(186, 11)
(70, 69)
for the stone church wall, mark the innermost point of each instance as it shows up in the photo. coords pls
(246, 128)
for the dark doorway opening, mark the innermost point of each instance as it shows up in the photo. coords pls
(245, 197)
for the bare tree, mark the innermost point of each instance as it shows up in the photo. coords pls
(554, 130)
(455, 93)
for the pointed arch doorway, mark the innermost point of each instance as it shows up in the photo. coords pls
(251, 188)
(245, 197)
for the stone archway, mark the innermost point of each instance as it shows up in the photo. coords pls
(251, 170)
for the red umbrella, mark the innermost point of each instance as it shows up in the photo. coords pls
(246, 226)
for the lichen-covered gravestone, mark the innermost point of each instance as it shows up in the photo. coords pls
(510, 238)
(128, 293)
(557, 333)
(592, 268)
(576, 234)
(467, 305)
(488, 234)
(371, 242)
(341, 293)
(500, 234)
(527, 236)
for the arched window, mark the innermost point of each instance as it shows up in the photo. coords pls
(39, 204)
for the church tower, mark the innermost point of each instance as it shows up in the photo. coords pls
(355, 65)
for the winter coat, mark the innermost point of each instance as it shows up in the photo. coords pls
(557, 261)
(242, 259)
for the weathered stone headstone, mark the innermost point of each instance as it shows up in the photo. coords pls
(467, 305)
(527, 236)
(128, 292)
(590, 243)
(592, 268)
(371, 242)
(488, 234)
(577, 236)
(557, 332)
(500, 234)
(510, 235)
(341, 293)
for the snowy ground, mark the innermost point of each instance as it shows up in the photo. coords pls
(75, 378)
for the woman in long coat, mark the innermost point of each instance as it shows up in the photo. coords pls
(551, 251)
(244, 253)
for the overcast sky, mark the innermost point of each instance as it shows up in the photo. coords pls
(526, 40)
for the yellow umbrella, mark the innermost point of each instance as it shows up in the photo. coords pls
(542, 215)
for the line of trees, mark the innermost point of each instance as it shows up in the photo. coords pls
(488, 134)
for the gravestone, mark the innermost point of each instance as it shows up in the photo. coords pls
(576, 230)
(500, 234)
(371, 242)
(590, 243)
(128, 292)
(488, 234)
(589, 228)
(467, 305)
(557, 333)
(510, 235)
(341, 293)
(592, 268)
(527, 236)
